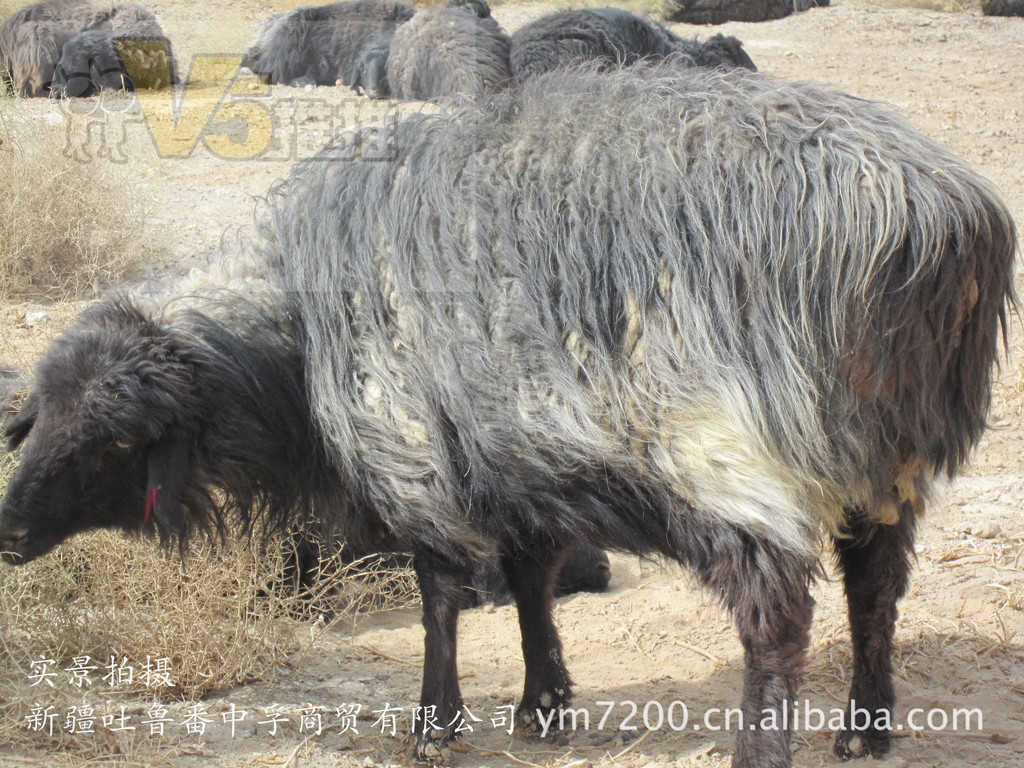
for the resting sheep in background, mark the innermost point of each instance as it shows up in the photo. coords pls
(708, 315)
(721, 11)
(614, 36)
(1002, 7)
(311, 568)
(318, 45)
(70, 48)
(124, 49)
(585, 569)
(31, 39)
(441, 53)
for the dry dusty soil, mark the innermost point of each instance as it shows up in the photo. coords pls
(653, 637)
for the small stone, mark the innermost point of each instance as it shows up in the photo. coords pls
(598, 738)
(987, 530)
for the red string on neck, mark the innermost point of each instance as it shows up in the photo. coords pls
(150, 503)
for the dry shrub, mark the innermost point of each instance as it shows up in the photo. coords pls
(65, 226)
(213, 615)
(347, 590)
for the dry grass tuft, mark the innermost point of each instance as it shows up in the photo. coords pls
(66, 227)
(218, 617)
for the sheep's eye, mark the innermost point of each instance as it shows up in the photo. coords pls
(119, 448)
(113, 454)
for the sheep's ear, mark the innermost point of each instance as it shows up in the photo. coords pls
(166, 474)
(17, 415)
(95, 74)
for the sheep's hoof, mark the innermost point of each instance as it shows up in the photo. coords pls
(541, 716)
(528, 720)
(431, 748)
(853, 744)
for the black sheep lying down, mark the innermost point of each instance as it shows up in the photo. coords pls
(612, 36)
(31, 39)
(124, 49)
(1002, 7)
(71, 48)
(708, 315)
(319, 44)
(721, 11)
(310, 567)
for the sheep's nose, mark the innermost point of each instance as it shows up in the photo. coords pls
(9, 541)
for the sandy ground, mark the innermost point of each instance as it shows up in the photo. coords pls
(653, 637)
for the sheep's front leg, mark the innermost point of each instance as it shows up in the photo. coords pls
(532, 577)
(876, 561)
(440, 714)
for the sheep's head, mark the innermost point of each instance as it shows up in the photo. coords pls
(725, 52)
(89, 63)
(368, 73)
(479, 7)
(102, 432)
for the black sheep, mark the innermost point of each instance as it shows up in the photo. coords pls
(319, 44)
(721, 11)
(447, 53)
(613, 36)
(124, 49)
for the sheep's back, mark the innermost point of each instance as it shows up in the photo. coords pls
(446, 53)
(663, 287)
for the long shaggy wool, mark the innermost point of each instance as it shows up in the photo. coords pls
(611, 305)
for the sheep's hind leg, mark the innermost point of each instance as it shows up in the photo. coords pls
(876, 561)
(768, 591)
(532, 578)
(440, 715)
